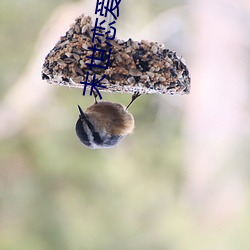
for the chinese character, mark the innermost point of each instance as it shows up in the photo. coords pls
(108, 32)
(96, 28)
(98, 59)
(95, 33)
(109, 7)
(93, 85)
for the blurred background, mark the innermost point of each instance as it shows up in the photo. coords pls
(180, 182)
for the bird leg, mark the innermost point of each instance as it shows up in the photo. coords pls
(95, 96)
(134, 97)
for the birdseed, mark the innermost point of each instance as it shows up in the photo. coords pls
(144, 67)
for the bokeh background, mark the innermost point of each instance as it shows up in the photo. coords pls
(180, 182)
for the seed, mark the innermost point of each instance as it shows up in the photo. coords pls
(134, 72)
(135, 45)
(69, 60)
(77, 29)
(145, 42)
(150, 74)
(77, 57)
(131, 80)
(78, 70)
(120, 42)
(77, 79)
(152, 69)
(154, 49)
(68, 54)
(144, 78)
(84, 46)
(118, 58)
(61, 62)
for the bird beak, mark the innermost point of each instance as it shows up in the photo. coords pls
(82, 115)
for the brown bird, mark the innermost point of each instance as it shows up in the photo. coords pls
(104, 124)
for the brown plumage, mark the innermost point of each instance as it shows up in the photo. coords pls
(104, 124)
(112, 118)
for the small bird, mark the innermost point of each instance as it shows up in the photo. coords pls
(104, 124)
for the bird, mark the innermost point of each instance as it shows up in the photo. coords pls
(104, 124)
